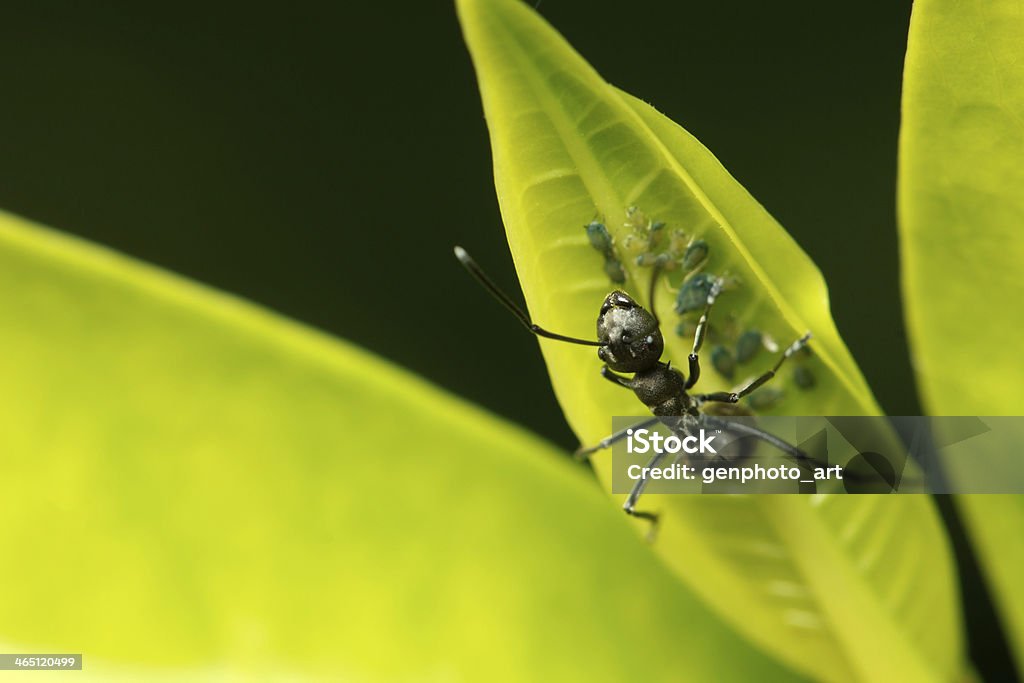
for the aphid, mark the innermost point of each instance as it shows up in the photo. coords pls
(644, 236)
(599, 236)
(678, 252)
(696, 254)
(803, 377)
(636, 221)
(648, 258)
(694, 293)
(644, 239)
(750, 342)
(638, 237)
(677, 241)
(723, 361)
(601, 240)
(613, 269)
(766, 399)
(629, 341)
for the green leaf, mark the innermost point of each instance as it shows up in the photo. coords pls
(961, 211)
(197, 487)
(839, 587)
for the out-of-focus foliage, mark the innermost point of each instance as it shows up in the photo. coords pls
(193, 486)
(838, 587)
(961, 202)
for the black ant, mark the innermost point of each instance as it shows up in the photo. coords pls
(629, 340)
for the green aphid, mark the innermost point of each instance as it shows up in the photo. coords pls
(750, 342)
(723, 361)
(613, 269)
(666, 261)
(631, 244)
(599, 236)
(803, 377)
(677, 242)
(693, 295)
(727, 409)
(642, 233)
(647, 259)
(765, 398)
(635, 219)
(695, 254)
(663, 261)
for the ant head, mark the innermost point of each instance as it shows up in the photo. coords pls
(629, 335)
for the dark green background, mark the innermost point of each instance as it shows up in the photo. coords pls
(321, 158)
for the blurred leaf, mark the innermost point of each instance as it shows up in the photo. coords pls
(839, 587)
(193, 486)
(961, 203)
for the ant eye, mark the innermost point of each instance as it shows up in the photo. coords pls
(626, 338)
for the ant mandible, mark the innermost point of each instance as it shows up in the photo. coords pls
(629, 340)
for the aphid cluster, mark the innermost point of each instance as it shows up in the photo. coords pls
(647, 244)
(650, 244)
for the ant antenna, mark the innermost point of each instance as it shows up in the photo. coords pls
(650, 292)
(469, 264)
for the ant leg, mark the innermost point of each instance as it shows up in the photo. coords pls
(793, 348)
(733, 397)
(769, 438)
(619, 380)
(806, 462)
(717, 397)
(585, 453)
(698, 335)
(638, 488)
(650, 292)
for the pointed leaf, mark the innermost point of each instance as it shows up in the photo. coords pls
(961, 216)
(197, 488)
